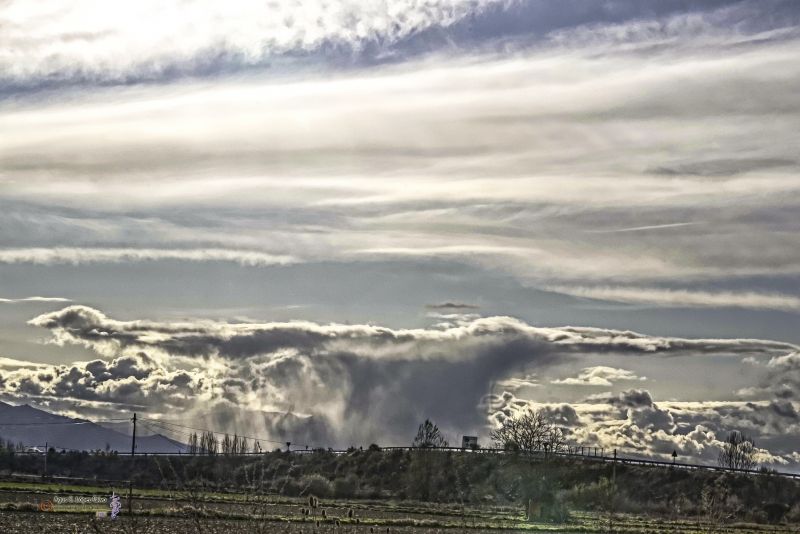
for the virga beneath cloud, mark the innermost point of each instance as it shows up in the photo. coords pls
(342, 383)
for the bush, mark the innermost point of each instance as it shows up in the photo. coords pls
(551, 508)
(316, 485)
(775, 511)
(794, 513)
(345, 487)
(591, 496)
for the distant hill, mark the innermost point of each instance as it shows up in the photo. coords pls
(33, 428)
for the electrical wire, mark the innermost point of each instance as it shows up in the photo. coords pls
(154, 425)
(169, 424)
(65, 422)
(186, 436)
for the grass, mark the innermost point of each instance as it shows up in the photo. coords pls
(417, 517)
(587, 524)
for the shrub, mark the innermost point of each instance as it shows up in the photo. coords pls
(316, 485)
(775, 511)
(551, 508)
(590, 496)
(793, 516)
(345, 487)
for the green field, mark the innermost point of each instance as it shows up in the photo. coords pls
(163, 511)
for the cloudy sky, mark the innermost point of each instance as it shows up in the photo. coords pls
(327, 220)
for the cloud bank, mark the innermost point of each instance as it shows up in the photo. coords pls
(333, 384)
(634, 424)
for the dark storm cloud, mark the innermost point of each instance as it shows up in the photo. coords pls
(349, 378)
(562, 415)
(632, 398)
(353, 382)
(445, 391)
(88, 326)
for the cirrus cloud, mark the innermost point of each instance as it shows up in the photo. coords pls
(677, 298)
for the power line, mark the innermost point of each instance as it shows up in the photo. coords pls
(160, 424)
(163, 425)
(64, 422)
(155, 428)
(157, 431)
(163, 422)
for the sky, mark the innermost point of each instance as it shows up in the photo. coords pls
(326, 221)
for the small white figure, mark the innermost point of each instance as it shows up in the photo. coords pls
(116, 506)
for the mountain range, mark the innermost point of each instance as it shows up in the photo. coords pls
(35, 428)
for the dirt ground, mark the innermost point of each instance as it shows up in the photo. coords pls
(61, 523)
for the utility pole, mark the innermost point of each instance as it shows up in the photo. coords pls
(613, 493)
(46, 449)
(130, 479)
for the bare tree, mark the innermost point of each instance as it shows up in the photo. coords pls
(715, 502)
(738, 452)
(208, 443)
(228, 444)
(194, 443)
(529, 431)
(428, 436)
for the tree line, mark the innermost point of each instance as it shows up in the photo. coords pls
(533, 431)
(208, 444)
